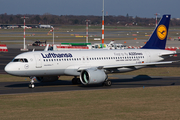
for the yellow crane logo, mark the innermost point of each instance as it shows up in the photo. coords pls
(161, 32)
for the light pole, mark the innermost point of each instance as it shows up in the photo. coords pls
(156, 18)
(24, 49)
(103, 24)
(87, 30)
(53, 34)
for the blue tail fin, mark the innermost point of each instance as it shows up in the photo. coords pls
(159, 36)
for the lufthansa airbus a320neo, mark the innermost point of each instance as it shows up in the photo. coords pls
(92, 66)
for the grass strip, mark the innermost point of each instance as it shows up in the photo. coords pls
(127, 104)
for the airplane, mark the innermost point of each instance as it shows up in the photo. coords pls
(12, 26)
(92, 66)
(45, 26)
(26, 27)
(38, 43)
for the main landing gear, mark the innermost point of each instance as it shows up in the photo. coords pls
(107, 83)
(31, 85)
(76, 80)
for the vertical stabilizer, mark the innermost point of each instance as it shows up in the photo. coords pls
(159, 36)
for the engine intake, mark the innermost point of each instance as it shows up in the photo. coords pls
(92, 76)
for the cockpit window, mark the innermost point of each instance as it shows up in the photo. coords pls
(15, 60)
(25, 60)
(20, 60)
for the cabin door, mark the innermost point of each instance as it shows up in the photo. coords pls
(148, 57)
(38, 61)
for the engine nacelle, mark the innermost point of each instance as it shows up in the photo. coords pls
(47, 78)
(92, 76)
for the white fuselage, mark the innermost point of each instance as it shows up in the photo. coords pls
(45, 26)
(55, 63)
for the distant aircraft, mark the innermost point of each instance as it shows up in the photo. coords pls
(12, 26)
(45, 26)
(38, 43)
(26, 27)
(92, 66)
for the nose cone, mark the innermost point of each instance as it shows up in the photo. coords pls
(8, 68)
(11, 68)
(15, 69)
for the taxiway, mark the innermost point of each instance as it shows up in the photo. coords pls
(118, 81)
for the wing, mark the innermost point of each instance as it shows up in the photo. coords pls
(137, 64)
(123, 65)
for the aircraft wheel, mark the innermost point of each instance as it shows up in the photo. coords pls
(78, 81)
(74, 81)
(108, 83)
(31, 85)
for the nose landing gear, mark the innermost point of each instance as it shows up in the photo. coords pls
(31, 85)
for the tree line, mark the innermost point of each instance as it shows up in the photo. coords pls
(80, 20)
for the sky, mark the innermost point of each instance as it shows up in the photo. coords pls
(140, 8)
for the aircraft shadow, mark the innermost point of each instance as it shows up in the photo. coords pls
(56, 83)
(135, 81)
